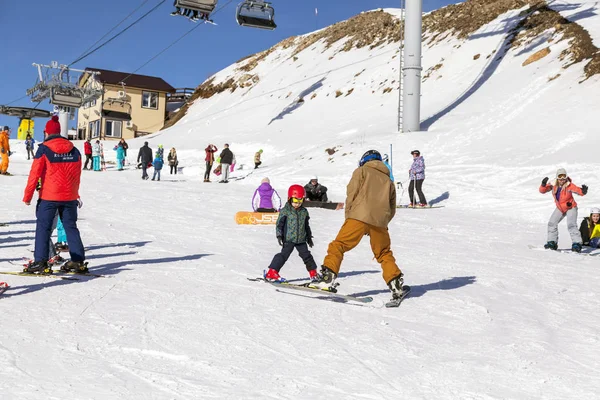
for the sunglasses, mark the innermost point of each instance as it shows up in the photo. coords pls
(295, 200)
(562, 176)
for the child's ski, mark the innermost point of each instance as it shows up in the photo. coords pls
(305, 288)
(417, 208)
(102, 162)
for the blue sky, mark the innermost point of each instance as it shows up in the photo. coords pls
(41, 31)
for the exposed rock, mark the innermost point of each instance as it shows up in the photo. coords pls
(538, 55)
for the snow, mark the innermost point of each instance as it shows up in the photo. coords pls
(176, 318)
(582, 12)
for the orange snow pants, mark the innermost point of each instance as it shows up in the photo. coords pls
(4, 163)
(350, 236)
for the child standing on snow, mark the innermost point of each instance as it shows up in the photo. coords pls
(120, 156)
(157, 164)
(266, 199)
(416, 173)
(293, 232)
(562, 192)
(590, 228)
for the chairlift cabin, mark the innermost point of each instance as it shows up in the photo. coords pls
(116, 109)
(203, 6)
(256, 14)
(66, 97)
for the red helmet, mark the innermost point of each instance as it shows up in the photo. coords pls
(296, 191)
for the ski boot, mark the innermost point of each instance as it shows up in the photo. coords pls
(272, 276)
(56, 260)
(551, 245)
(39, 267)
(61, 247)
(396, 285)
(576, 248)
(314, 275)
(326, 281)
(79, 267)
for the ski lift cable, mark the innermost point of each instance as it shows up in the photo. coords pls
(113, 28)
(173, 43)
(118, 34)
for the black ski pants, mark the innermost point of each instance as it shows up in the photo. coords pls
(280, 258)
(411, 191)
(173, 168)
(88, 158)
(207, 172)
(144, 170)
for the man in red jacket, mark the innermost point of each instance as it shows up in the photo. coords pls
(58, 164)
(87, 149)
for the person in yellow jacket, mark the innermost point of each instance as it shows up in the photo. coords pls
(4, 150)
(370, 206)
(257, 161)
(590, 228)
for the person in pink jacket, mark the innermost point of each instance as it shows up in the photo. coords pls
(562, 192)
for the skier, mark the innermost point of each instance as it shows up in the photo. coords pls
(58, 164)
(157, 164)
(210, 159)
(590, 228)
(4, 150)
(29, 146)
(266, 199)
(257, 158)
(172, 158)
(226, 160)
(145, 156)
(416, 174)
(370, 206)
(562, 192)
(87, 149)
(160, 152)
(293, 232)
(96, 153)
(385, 160)
(315, 191)
(120, 156)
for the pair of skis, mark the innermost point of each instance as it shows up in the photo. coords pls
(330, 294)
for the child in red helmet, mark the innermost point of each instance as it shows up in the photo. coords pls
(293, 231)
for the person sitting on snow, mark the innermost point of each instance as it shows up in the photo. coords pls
(267, 198)
(315, 191)
(590, 228)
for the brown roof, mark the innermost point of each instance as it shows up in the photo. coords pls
(133, 80)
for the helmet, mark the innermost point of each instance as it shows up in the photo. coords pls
(314, 178)
(385, 157)
(417, 152)
(160, 146)
(369, 156)
(260, 151)
(594, 210)
(5, 128)
(296, 191)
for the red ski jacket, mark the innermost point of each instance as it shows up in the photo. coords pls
(87, 148)
(565, 199)
(58, 164)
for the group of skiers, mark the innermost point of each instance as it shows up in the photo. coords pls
(146, 160)
(226, 162)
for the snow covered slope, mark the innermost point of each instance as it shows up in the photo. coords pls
(489, 318)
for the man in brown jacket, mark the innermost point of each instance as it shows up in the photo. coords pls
(370, 206)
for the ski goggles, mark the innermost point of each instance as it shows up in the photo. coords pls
(562, 176)
(297, 201)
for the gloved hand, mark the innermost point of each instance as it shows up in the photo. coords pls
(79, 203)
(310, 242)
(584, 189)
(544, 181)
(280, 240)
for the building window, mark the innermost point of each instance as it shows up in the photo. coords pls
(150, 100)
(95, 129)
(113, 129)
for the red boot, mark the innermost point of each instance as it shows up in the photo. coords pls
(273, 276)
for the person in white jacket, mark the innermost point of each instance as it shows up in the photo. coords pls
(96, 153)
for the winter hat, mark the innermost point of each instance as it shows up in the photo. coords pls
(561, 171)
(385, 157)
(417, 152)
(53, 126)
(265, 180)
(260, 151)
(594, 210)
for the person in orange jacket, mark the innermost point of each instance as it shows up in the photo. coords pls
(4, 150)
(562, 192)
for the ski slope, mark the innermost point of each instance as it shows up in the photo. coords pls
(176, 318)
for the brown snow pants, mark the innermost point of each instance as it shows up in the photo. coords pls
(350, 236)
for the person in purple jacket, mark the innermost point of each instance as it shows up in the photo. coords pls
(265, 198)
(416, 173)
